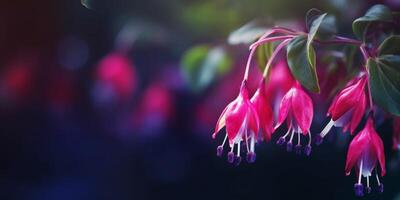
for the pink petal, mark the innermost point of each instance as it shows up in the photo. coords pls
(264, 111)
(356, 148)
(254, 121)
(221, 120)
(347, 98)
(378, 146)
(302, 109)
(285, 107)
(234, 119)
(358, 113)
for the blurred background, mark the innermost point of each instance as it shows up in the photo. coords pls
(118, 99)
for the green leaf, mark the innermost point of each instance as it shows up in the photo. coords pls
(391, 46)
(327, 27)
(385, 82)
(376, 14)
(202, 64)
(311, 35)
(249, 32)
(264, 52)
(301, 60)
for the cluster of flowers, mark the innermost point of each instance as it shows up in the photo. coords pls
(248, 115)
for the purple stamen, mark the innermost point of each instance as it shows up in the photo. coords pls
(231, 157)
(368, 190)
(238, 160)
(220, 150)
(298, 149)
(359, 189)
(307, 150)
(281, 141)
(380, 187)
(251, 157)
(289, 146)
(318, 139)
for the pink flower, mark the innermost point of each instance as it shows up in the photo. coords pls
(347, 108)
(296, 108)
(242, 124)
(280, 81)
(365, 150)
(262, 105)
(396, 133)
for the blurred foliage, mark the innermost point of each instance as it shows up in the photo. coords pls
(202, 64)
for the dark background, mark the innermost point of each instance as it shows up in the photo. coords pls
(69, 146)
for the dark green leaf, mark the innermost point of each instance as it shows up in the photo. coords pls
(249, 32)
(264, 52)
(301, 60)
(311, 35)
(391, 46)
(202, 64)
(376, 14)
(327, 27)
(385, 82)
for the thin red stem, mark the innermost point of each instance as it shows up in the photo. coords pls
(246, 72)
(270, 39)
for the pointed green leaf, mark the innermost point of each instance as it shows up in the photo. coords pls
(390, 46)
(301, 60)
(327, 26)
(385, 82)
(311, 35)
(377, 13)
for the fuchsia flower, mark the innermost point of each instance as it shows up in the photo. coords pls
(347, 108)
(261, 103)
(242, 124)
(396, 133)
(297, 109)
(365, 150)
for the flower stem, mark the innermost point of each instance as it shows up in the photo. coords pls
(246, 72)
(269, 39)
(366, 56)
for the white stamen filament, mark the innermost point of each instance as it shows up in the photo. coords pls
(238, 151)
(246, 138)
(367, 181)
(287, 133)
(359, 175)
(309, 138)
(327, 128)
(252, 143)
(298, 138)
(223, 143)
(377, 178)
(291, 136)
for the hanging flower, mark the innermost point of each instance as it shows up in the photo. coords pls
(347, 108)
(296, 108)
(264, 111)
(366, 149)
(242, 124)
